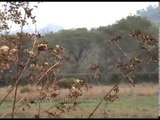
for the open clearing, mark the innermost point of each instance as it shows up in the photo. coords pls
(140, 101)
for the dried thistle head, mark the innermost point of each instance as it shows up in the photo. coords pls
(136, 60)
(111, 97)
(116, 89)
(94, 67)
(57, 52)
(115, 39)
(77, 81)
(135, 33)
(128, 78)
(13, 51)
(45, 64)
(144, 38)
(121, 65)
(21, 64)
(42, 47)
(4, 49)
(30, 54)
(32, 66)
(74, 91)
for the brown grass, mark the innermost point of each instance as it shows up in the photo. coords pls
(138, 101)
(94, 92)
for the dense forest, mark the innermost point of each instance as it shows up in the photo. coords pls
(87, 47)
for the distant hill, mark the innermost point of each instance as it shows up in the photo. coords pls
(49, 28)
(151, 13)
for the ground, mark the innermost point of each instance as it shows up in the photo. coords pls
(139, 101)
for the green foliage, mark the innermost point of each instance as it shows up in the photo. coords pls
(146, 77)
(87, 47)
(25, 89)
(66, 83)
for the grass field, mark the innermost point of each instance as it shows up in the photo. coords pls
(140, 101)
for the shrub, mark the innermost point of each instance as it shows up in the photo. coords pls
(66, 82)
(25, 89)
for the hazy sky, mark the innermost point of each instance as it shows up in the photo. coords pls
(85, 14)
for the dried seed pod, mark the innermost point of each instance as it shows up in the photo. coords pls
(21, 64)
(4, 49)
(127, 77)
(13, 51)
(94, 67)
(121, 65)
(31, 54)
(45, 64)
(114, 39)
(137, 60)
(116, 89)
(111, 97)
(135, 33)
(42, 47)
